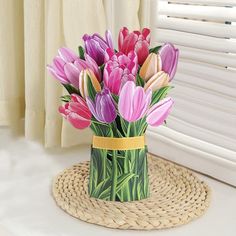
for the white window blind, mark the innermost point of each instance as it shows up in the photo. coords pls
(201, 131)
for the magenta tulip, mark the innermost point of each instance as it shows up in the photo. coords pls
(95, 46)
(159, 112)
(169, 58)
(133, 101)
(137, 41)
(76, 112)
(119, 69)
(57, 68)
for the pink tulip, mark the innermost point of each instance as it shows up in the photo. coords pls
(133, 101)
(169, 57)
(67, 67)
(72, 70)
(66, 55)
(76, 112)
(159, 112)
(119, 69)
(137, 41)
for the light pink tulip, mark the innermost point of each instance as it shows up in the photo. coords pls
(67, 66)
(119, 69)
(169, 57)
(133, 101)
(76, 112)
(72, 70)
(159, 112)
(65, 55)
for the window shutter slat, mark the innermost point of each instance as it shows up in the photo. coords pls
(204, 56)
(195, 40)
(221, 3)
(213, 13)
(197, 27)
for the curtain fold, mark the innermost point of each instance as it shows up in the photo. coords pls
(31, 31)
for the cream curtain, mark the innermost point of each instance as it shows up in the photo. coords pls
(31, 31)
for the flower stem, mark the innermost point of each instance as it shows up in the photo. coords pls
(114, 173)
(99, 123)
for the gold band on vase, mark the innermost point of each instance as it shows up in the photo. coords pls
(111, 143)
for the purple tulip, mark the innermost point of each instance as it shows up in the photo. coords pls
(104, 108)
(57, 68)
(119, 69)
(134, 101)
(159, 112)
(169, 58)
(95, 46)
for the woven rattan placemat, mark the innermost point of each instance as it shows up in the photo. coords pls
(177, 197)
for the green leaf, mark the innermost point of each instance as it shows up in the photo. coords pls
(81, 52)
(139, 81)
(91, 91)
(102, 68)
(65, 98)
(160, 94)
(70, 89)
(115, 98)
(155, 49)
(121, 181)
(101, 188)
(124, 125)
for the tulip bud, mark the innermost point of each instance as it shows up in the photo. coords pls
(85, 75)
(150, 67)
(169, 57)
(158, 113)
(157, 81)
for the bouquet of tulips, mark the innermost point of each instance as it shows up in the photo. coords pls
(117, 94)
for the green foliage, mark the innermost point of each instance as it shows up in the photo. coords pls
(65, 98)
(115, 98)
(81, 52)
(155, 49)
(91, 91)
(70, 89)
(102, 68)
(139, 81)
(130, 182)
(160, 94)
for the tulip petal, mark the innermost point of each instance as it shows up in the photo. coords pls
(72, 74)
(75, 107)
(93, 65)
(58, 65)
(125, 104)
(67, 54)
(91, 106)
(146, 34)
(138, 103)
(169, 57)
(122, 35)
(159, 112)
(129, 43)
(114, 80)
(78, 121)
(142, 50)
(108, 37)
(157, 81)
(52, 71)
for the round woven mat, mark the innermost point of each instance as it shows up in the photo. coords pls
(177, 197)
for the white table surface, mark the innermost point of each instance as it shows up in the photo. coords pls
(28, 209)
